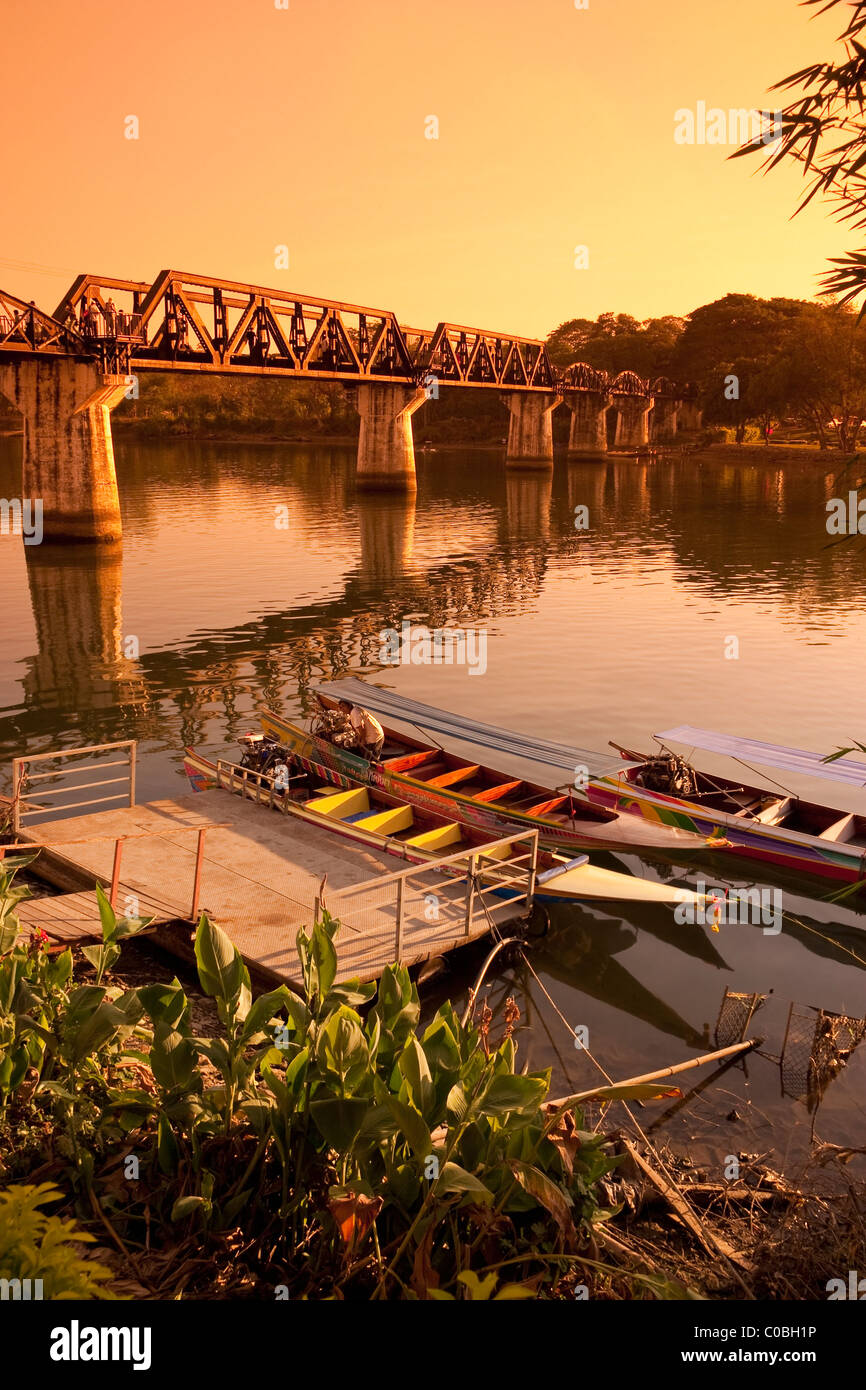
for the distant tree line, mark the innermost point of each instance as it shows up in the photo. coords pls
(755, 362)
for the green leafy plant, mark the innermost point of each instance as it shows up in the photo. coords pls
(368, 1155)
(35, 1246)
(114, 930)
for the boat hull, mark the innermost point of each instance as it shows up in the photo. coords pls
(557, 881)
(788, 850)
(326, 759)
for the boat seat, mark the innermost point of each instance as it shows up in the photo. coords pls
(748, 808)
(407, 762)
(454, 775)
(438, 838)
(497, 793)
(387, 822)
(776, 811)
(841, 830)
(541, 808)
(339, 805)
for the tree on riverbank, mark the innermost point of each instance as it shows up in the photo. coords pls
(728, 349)
(823, 131)
(617, 343)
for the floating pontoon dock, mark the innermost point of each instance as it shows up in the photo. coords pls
(258, 872)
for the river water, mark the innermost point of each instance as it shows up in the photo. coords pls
(700, 592)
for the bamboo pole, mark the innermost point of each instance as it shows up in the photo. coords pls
(664, 1072)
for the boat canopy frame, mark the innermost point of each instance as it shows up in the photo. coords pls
(749, 750)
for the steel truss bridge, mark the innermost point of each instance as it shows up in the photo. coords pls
(195, 323)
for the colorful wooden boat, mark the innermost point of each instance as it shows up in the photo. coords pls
(446, 784)
(773, 826)
(785, 831)
(360, 812)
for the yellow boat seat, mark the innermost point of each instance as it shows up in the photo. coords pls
(387, 822)
(440, 838)
(340, 804)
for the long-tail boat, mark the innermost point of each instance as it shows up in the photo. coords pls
(447, 784)
(666, 795)
(374, 818)
(775, 826)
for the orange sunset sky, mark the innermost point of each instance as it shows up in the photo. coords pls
(306, 127)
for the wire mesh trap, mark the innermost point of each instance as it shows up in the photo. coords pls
(817, 1046)
(735, 1015)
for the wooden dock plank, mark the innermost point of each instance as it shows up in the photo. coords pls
(261, 875)
(67, 917)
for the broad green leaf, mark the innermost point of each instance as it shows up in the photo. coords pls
(172, 1058)
(457, 1103)
(107, 915)
(220, 969)
(166, 1151)
(185, 1206)
(130, 926)
(480, 1287)
(341, 1050)
(415, 1070)
(263, 1010)
(26, 1024)
(82, 1002)
(339, 1121)
(166, 1004)
(453, 1178)
(412, 1126)
(397, 1005)
(288, 1089)
(8, 934)
(325, 959)
(440, 1045)
(102, 1025)
(509, 1092)
(547, 1193)
(351, 992)
(216, 1052)
(60, 969)
(129, 1005)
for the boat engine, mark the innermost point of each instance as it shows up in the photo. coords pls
(333, 725)
(251, 749)
(261, 751)
(668, 774)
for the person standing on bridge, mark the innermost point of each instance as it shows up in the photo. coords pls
(110, 318)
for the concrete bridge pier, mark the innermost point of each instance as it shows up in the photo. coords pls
(530, 429)
(386, 452)
(690, 415)
(68, 453)
(664, 417)
(632, 422)
(587, 436)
